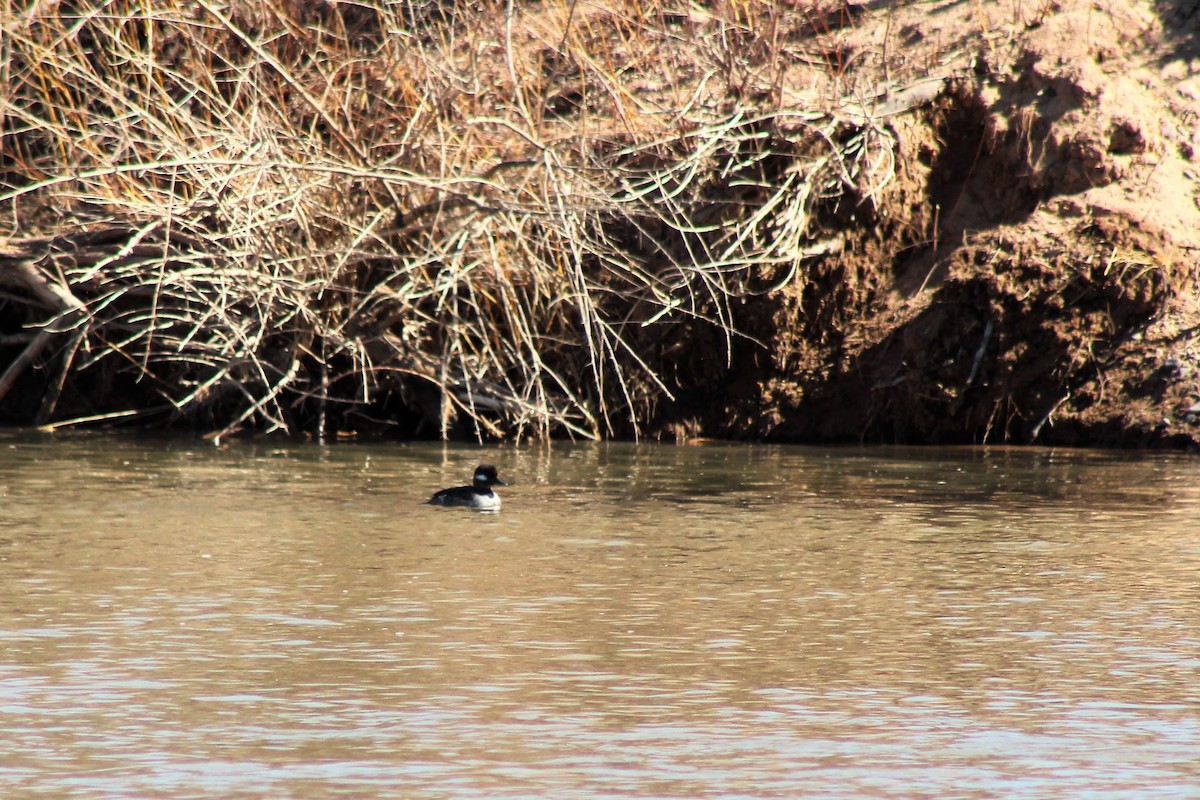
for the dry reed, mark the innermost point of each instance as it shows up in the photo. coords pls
(308, 217)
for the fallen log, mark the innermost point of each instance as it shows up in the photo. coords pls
(19, 271)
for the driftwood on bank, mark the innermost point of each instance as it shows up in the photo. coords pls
(86, 295)
(20, 272)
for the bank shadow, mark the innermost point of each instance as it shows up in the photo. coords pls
(1181, 28)
(995, 353)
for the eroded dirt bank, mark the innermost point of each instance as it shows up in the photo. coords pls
(934, 222)
(1030, 276)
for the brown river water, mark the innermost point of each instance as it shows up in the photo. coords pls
(178, 621)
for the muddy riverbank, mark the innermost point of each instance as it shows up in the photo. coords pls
(934, 222)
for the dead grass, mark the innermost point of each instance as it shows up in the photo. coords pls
(316, 218)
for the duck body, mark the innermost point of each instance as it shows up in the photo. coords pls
(478, 495)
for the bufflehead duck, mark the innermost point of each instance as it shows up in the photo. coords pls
(478, 495)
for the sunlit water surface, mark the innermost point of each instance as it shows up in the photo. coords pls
(692, 622)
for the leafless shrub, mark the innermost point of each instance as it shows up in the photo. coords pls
(274, 217)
